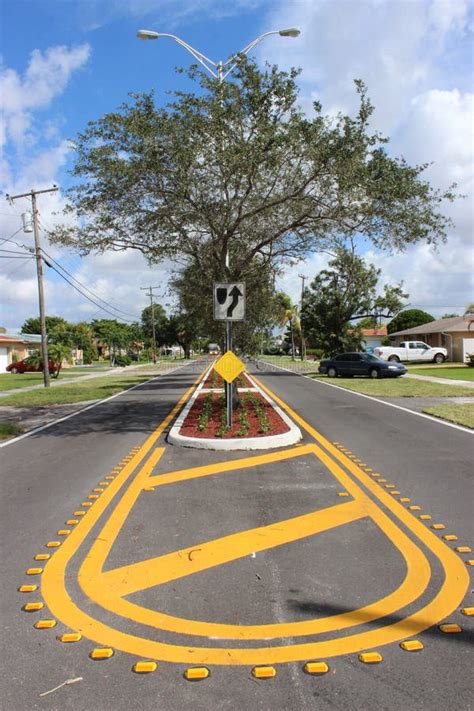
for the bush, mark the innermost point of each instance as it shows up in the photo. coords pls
(122, 360)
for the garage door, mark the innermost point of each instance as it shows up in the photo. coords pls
(3, 358)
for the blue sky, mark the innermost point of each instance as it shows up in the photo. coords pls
(65, 62)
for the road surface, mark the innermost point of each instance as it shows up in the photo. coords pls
(238, 564)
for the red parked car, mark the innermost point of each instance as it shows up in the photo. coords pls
(27, 365)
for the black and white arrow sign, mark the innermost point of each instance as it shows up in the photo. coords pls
(229, 302)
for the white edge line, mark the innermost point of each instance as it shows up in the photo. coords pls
(375, 399)
(84, 409)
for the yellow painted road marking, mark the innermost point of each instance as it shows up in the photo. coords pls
(447, 597)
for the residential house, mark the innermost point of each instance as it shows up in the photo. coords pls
(16, 346)
(373, 337)
(456, 334)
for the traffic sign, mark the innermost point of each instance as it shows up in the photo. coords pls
(229, 366)
(229, 301)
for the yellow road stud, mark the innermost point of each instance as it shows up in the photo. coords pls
(425, 517)
(103, 483)
(93, 497)
(405, 500)
(382, 481)
(438, 526)
(110, 477)
(395, 492)
(469, 611)
(86, 503)
(63, 532)
(196, 673)
(69, 637)
(27, 588)
(149, 488)
(370, 657)
(463, 549)
(368, 469)
(390, 486)
(42, 556)
(72, 522)
(34, 571)
(98, 489)
(415, 508)
(45, 624)
(144, 667)
(450, 537)
(450, 628)
(101, 653)
(411, 645)
(53, 544)
(316, 668)
(375, 474)
(343, 493)
(469, 562)
(79, 513)
(263, 672)
(33, 606)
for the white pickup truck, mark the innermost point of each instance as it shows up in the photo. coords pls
(412, 351)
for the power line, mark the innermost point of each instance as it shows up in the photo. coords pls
(114, 308)
(102, 308)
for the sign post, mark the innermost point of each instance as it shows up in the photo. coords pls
(229, 306)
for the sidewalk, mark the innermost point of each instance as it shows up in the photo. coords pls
(443, 381)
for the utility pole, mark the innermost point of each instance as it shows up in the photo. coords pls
(303, 345)
(149, 290)
(39, 272)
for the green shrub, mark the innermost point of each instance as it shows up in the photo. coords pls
(122, 360)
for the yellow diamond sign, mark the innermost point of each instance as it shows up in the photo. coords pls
(229, 366)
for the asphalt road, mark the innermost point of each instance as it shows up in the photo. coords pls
(238, 560)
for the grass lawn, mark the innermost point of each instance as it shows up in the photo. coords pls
(10, 381)
(7, 430)
(94, 389)
(460, 414)
(398, 387)
(463, 372)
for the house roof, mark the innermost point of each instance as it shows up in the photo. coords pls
(455, 323)
(375, 331)
(20, 338)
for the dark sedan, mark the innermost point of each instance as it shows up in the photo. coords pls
(349, 364)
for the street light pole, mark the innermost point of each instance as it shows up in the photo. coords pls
(220, 71)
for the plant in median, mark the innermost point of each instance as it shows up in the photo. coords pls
(205, 415)
(243, 419)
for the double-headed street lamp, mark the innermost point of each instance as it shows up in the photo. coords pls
(220, 71)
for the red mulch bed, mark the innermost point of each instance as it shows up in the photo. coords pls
(214, 380)
(189, 427)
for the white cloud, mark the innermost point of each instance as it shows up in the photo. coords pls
(416, 59)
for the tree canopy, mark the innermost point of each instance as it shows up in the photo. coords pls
(238, 169)
(342, 294)
(409, 319)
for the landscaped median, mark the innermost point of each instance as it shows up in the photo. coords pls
(257, 423)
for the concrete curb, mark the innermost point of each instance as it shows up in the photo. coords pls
(269, 442)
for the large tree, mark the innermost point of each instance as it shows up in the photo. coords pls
(409, 319)
(342, 294)
(238, 169)
(161, 323)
